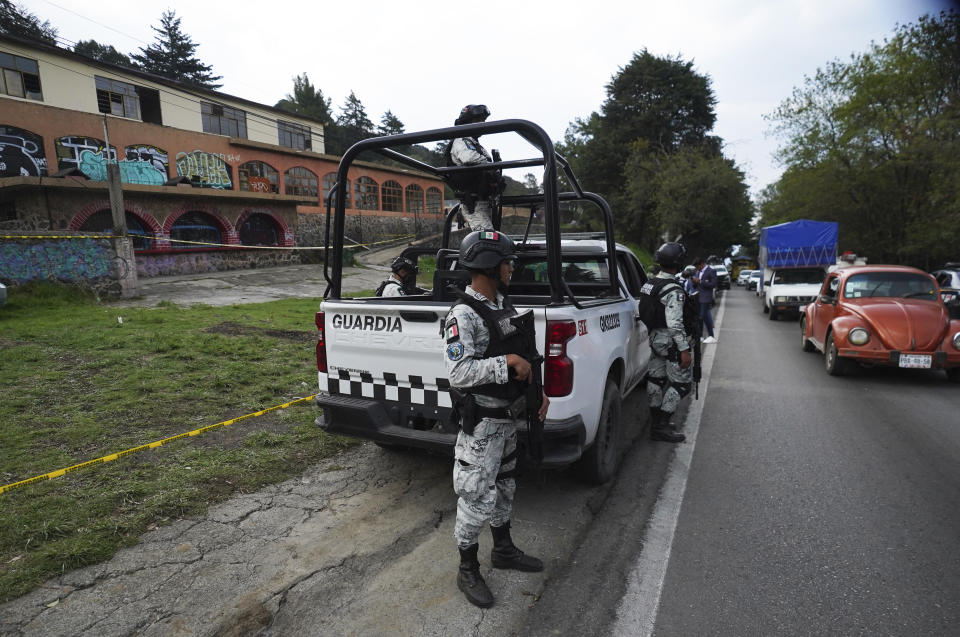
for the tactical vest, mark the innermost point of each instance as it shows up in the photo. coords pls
(505, 338)
(385, 283)
(480, 184)
(652, 311)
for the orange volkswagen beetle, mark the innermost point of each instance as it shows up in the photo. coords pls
(882, 315)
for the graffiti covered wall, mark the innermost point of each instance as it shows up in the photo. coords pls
(73, 260)
(21, 153)
(209, 170)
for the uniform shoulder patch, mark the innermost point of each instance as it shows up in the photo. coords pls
(455, 351)
(452, 332)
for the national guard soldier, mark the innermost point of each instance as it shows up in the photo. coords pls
(669, 377)
(475, 190)
(402, 280)
(489, 375)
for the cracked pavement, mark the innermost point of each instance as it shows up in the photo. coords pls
(361, 544)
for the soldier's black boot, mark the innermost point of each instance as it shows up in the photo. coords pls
(470, 581)
(505, 555)
(661, 429)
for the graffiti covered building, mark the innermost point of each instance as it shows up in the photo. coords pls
(203, 173)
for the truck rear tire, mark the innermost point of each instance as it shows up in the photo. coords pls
(599, 463)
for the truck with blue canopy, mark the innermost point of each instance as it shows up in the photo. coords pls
(795, 257)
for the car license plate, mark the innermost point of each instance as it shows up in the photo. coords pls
(919, 361)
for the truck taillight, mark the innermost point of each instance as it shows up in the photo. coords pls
(321, 345)
(557, 368)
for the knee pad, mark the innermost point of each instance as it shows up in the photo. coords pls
(683, 388)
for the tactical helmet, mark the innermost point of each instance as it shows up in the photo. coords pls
(403, 262)
(670, 254)
(485, 250)
(472, 113)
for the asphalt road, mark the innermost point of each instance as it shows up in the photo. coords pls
(816, 505)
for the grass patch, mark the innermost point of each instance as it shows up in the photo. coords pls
(78, 384)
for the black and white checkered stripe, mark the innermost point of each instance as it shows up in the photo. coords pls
(410, 390)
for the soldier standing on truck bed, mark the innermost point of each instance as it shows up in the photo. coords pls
(489, 376)
(475, 190)
(661, 308)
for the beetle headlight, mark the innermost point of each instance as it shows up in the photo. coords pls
(956, 340)
(859, 336)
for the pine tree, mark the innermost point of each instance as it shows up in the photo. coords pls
(173, 55)
(390, 124)
(17, 21)
(307, 100)
(103, 52)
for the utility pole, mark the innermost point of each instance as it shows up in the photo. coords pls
(125, 266)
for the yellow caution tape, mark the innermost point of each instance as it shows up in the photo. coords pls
(152, 445)
(203, 243)
(57, 236)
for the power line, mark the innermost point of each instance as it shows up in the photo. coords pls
(95, 22)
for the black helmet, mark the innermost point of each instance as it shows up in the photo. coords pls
(472, 113)
(403, 262)
(670, 254)
(484, 250)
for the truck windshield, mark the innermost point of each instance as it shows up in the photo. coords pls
(890, 284)
(788, 277)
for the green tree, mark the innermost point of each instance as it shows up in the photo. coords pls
(352, 125)
(173, 55)
(390, 124)
(701, 197)
(102, 52)
(17, 21)
(656, 108)
(307, 100)
(873, 142)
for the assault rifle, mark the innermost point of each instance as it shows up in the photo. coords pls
(524, 323)
(697, 358)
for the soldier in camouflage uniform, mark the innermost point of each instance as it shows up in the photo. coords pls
(474, 191)
(669, 376)
(486, 450)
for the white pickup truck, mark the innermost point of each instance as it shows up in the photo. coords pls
(789, 290)
(380, 361)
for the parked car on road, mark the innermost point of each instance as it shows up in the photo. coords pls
(743, 276)
(723, 276)
(753, 282)
(887, 315)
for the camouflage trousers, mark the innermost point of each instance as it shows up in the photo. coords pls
(667, 383)
(484, 497)
(477, 214)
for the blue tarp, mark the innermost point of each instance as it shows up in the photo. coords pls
(799, 243)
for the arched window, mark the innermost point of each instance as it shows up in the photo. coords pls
(414, 199)
(259, 229)
(140, 233)
(368, 194)
(195, 226)
(257, 176)
(328, 182)
(300, 181)
(434, 201)
(392, 196)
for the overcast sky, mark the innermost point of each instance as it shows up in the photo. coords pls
(543, 61)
